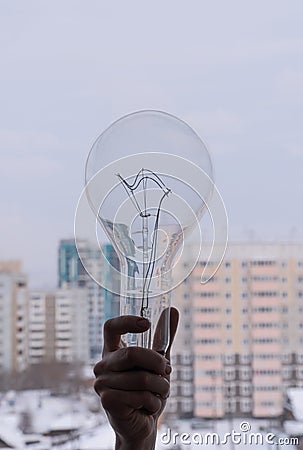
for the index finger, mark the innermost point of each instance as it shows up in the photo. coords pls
(114, 328)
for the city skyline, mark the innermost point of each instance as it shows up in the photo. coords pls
(239, 340)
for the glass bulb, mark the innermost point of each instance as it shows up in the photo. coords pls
(148, 181)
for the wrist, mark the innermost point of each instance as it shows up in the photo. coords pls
(147, 443)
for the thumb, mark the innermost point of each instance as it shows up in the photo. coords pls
(167, 322)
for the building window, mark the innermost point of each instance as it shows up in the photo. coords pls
(186, 358)
(229, 359)
(208, 325)
(186, 373)
(229, 373)
(208, 341)
(230, 406)
(263, 263)
(265, 294)
(207, 310)
(299, 373)
(266, 340)
(230, 389)
(187, 405)
(267, 403)
(245, 405)
(207, 357)
(203, 404)
(245, 389)
(286, 358)
(244, 373)
(245, 358)
(210, 294)
(186, 389)
(286, 373)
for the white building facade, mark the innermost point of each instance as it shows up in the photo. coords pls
(71, 325)
(13, 317)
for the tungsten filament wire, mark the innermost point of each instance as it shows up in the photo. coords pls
(140, 183)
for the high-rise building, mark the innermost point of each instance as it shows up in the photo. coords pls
(71, 325)
(246, 333)
(41, 327)
(58, 326)
(181, 401)
(71, 271)
(102, 303)
(13, 317)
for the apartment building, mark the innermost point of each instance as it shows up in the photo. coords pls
(181, 401)
(13, 317)
(72, 273)
(71, 325)
(246, 328)
(41, 327)
(58, 326)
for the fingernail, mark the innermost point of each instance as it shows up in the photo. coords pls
(142, 323)
(168, 369)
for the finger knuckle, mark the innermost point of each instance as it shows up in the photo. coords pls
(99, 368)
(147, 397)
(99, 385)
(106, 399)
(152, 402)
(158, 359)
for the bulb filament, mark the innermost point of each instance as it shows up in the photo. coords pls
(140, 182)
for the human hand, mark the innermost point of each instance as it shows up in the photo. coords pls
(133, 382)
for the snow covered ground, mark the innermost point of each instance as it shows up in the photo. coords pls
(72, 423)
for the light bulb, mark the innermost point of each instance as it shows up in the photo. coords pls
(148, 181)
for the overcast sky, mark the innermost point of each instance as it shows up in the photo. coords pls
(232, 69)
